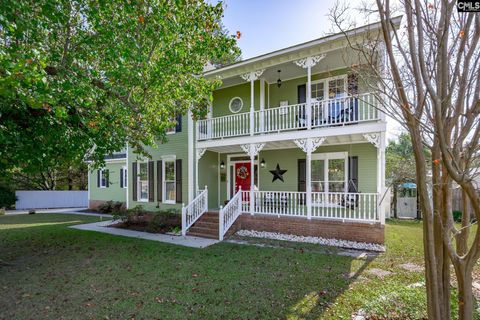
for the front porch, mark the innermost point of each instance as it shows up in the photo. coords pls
(335, 179)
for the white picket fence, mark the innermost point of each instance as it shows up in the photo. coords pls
(48, 199)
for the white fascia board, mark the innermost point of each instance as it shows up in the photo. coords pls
(293, 135)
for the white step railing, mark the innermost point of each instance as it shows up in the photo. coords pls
(229, 214)
(194, 210)
(345, 206)
(361, 207)
(331, 112)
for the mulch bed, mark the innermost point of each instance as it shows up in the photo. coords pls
(144, 223)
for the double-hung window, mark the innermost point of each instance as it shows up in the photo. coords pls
(169, 187)
(124, 177)
(329, 172)
(143, 181)
(103, 178)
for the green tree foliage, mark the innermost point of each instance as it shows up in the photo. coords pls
(77, 74)
(399, 162)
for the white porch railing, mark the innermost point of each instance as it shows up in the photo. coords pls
(345, 206)
(229, 214)
(194, 210)
(360, 207)
(331, 112)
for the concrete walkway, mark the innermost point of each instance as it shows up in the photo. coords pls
(193, 242)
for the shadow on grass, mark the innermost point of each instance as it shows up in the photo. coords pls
(79, 274)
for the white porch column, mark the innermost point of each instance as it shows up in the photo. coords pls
(252, 150)
(308, 146)
(200, 152)
(308, 63)
(251, 77)
(190, 157)
(378, 140)
(262, 105)
(127, 191)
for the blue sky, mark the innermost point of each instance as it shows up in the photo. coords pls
(268, 25)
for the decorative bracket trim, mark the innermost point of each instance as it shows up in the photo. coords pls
(252, 149)
(254, 75)
(309, 61)
(200, 152)
(373, 138)
(309, 145)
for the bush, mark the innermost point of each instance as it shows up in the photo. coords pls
(166, 219)
(7, 197)
(457, 215)
(32, 211)
(110, 207)
(2, 211)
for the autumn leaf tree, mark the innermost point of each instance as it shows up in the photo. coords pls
(84, 73)
(426, 72)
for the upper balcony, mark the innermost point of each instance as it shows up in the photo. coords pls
(343, 111)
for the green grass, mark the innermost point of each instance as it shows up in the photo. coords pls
(63, 273)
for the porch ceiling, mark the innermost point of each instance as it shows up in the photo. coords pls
(289, 144)
(334, 60)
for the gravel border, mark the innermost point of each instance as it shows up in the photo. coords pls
(316, 240)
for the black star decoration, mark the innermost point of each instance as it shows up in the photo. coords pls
(278, 173)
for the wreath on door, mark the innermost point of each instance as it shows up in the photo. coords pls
(242, 172)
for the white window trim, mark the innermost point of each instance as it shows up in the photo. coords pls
(230, 105)
(125, 177)
(139, 189)
(325, 84)
(332, 156)
(164, 191)
(101, 179)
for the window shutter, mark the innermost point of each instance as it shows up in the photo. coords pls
(178, 126)
(353, 174)
(159, 181)
(302, 175)
(302, 93)
(121, 177)
(178, 180)
(107, 178)
(352, 89)
(98, 178)
(134, 181)
(151, 182)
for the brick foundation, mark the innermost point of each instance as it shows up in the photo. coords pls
(354, 231)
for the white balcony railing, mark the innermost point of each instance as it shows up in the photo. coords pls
(360, 207)
(331, 112)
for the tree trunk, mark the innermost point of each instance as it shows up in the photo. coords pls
(465, 294)
(395, 190)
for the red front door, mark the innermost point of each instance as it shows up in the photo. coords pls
(243, 176)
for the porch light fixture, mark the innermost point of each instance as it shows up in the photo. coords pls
(262, 163)
(222, 165)
(279, 81)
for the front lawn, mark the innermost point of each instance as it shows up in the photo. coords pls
(62, 273)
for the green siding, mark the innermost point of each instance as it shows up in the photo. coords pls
(177, 145)
(208, 176)
(222, 97)
(113, 192)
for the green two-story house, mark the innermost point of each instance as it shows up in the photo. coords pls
(294, 142)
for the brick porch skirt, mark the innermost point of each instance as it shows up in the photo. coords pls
(353, 231)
